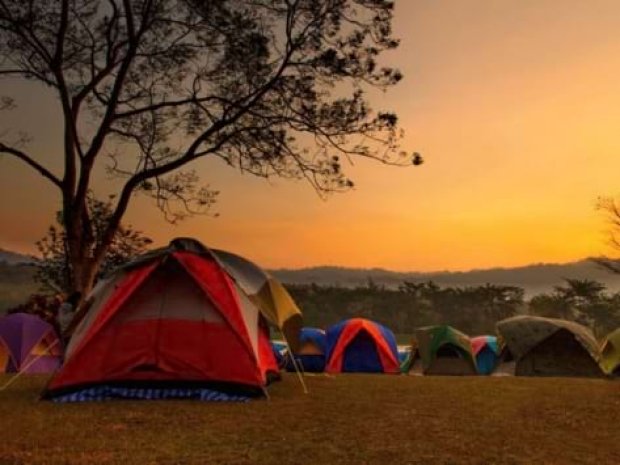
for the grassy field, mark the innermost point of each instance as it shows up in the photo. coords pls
(354, 419)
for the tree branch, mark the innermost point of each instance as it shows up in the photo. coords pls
(117, 87)
(32, 163)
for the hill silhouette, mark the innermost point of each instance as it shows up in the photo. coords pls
(534, 279)
(14, 258)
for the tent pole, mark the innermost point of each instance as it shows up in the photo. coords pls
(295, 366)
(28, 365)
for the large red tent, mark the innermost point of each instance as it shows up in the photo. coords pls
(173, 318)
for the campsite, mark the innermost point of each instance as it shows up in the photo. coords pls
(309, 232)
(166, 366)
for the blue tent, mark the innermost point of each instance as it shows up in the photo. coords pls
(487, 353)
(360, 345)
(311, 354)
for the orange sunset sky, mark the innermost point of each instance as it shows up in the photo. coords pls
(515, 106)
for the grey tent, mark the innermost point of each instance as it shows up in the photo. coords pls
(548, 347)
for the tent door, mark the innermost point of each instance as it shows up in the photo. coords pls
(361, 355)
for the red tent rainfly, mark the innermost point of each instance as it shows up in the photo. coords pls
(172, 318)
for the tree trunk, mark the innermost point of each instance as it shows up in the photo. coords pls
(84, 276)
(84, 267)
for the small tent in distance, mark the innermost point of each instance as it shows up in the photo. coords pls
(445, 351)
(404, 351)
(311, 354)
(361, 346)
(540, 346)
(610, 355)
(28, 344)
(486, 351)
(411, 363)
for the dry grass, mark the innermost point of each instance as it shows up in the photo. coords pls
(344, 420)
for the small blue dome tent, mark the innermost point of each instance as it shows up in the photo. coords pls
(362, 346)
(311, 354)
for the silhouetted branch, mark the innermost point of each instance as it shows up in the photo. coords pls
(20, 155)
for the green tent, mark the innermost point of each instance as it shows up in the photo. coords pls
(444, 350)
(610, 358)
(548, 347)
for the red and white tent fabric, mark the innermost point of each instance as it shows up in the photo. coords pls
(174, 317)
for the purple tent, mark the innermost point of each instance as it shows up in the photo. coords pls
(30, 344)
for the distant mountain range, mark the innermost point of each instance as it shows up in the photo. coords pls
(14, 258)
(535, 279)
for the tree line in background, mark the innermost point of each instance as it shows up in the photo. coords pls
(474, 310)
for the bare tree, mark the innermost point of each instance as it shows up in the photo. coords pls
(611, 208)
(147, 87)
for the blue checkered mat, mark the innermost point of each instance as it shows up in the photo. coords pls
(101, 393)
